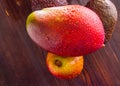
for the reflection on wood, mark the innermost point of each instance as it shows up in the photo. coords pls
(16, 7)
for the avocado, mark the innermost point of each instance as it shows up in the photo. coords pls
(107, 12)
(40, 4)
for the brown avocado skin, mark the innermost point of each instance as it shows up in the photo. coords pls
(40, 4)
(107, 12)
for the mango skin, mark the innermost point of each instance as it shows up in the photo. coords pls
(71, 30)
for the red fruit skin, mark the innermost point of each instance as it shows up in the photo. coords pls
(71, 30)
(71, 66)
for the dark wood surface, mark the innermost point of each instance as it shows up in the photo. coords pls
(22, 62)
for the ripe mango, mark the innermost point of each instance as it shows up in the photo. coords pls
(70, 30)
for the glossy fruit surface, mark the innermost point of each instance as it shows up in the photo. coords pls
(64, 67)
(71, 30)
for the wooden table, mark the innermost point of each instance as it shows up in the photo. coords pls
(22, 62)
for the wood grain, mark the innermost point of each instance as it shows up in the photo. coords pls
(22, 62)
